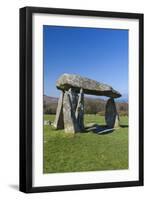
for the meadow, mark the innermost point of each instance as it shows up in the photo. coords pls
(79, 152)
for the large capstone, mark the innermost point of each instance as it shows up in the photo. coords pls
(70, 110)
(89, 86)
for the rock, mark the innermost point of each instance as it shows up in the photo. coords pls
(94, 128)
(46, 122)
(74, 99)
(89, 86)
(80, 111)
(111, 115)
(105, 131)
(58, 123)
(70, 110)
(70, 122)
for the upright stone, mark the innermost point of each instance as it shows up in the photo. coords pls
(70, 110)
(111, 114)
(58, 123)
(74, 99)
(80, 111)
(70, 122)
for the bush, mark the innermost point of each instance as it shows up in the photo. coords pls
(101, 113)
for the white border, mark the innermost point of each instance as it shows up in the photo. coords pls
(40, 179)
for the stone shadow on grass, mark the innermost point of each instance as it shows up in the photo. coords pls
(124, 126)
(99, 129)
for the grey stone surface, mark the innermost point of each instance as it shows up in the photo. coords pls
(93, 128)
(46, 122)
(89, 86)
(74, 99)
(80, 111)
(70, 110)
(111, 115)
(58, 123)
(70, 123)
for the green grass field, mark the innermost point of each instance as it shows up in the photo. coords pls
(85, 151)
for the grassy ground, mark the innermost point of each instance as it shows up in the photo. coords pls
(85, 151)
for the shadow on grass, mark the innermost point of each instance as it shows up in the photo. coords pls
(103, 129)
(124, 126)
(99, 129)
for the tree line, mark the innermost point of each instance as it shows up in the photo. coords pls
(91, 106)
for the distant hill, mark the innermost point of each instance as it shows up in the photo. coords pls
(48, 99)
(122, 100)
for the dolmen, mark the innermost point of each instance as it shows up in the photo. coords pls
(70, 109)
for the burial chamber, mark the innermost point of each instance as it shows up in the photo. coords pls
(70, 109)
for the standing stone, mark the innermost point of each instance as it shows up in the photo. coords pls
(74, 99)
(70, 122)
(70, 110)
(59, 124)
(111, 114)
(80, 110)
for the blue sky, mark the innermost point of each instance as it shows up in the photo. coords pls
(99, 54)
